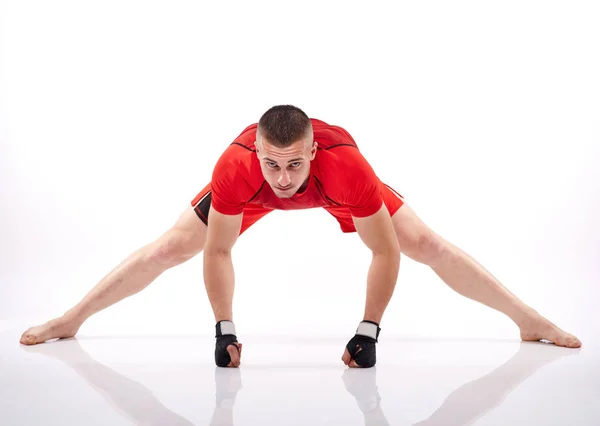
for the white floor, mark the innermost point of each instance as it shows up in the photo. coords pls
(162, 380)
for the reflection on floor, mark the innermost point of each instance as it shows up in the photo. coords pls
(295, 381)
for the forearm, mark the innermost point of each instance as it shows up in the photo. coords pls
(219, 282)
(381, 281)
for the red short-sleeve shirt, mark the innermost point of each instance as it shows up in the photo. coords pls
(339, 176)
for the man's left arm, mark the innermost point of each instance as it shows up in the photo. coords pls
(377, 232)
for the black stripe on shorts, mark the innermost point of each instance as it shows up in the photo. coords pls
(203, 206)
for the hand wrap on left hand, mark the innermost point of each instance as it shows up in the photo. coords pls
(362, 346)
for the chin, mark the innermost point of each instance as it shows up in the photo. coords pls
(284, 194)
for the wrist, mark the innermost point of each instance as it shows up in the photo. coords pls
(224, 328)
(369, 328)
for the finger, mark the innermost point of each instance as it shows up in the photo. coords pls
(239, 350)
(232, 362)
(234, 354)
(346, 357)
(349, 361)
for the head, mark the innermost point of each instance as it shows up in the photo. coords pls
(285, 147)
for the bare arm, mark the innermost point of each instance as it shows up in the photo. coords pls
(223, 231)
(377, 232)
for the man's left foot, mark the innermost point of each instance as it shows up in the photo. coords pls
(535, 328)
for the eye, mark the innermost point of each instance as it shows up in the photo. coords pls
(296, 164)
(271, 164)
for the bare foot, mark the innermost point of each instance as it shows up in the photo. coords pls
(56, 328)
(535, 328)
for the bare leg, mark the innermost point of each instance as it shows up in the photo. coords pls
(179, 244)
(468, 278)
(463, 274)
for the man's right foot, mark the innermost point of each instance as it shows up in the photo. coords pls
(53, 329)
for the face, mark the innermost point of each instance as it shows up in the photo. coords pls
(286, 169)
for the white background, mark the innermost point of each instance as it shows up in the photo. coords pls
(486, 116)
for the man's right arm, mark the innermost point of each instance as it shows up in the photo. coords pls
(223, 231)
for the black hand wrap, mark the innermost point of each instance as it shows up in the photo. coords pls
(362, 346)
(225, 334)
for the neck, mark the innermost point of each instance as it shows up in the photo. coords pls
(303, 186)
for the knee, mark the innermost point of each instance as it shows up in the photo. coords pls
(428, 249)
(171, 249)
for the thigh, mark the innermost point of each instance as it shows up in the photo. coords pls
(183, 240)
(201, 206)
(415, 238)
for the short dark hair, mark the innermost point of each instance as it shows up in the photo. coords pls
(282, 125)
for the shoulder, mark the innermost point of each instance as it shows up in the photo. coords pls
(349, 180)
(343, 163)
(238, 159)
(339, 158)
(237, 170)
(344, 173)
(330, 136)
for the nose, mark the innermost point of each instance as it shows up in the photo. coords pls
(284, 179)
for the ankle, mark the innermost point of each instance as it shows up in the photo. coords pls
(525, 316)
(72, 317)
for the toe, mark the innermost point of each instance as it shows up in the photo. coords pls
(27, 339)
(572, 342)
(567, 340)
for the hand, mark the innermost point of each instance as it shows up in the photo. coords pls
(228, 350)
(360, 351)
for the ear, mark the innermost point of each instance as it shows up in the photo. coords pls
(313, 150)
(256, 145)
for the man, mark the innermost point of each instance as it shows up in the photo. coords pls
(288, 161)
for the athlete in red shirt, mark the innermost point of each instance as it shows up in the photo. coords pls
(288, 161)
(339, 179)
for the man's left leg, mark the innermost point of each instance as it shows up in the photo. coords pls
(467, 277)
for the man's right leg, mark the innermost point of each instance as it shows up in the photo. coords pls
(178, 244)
